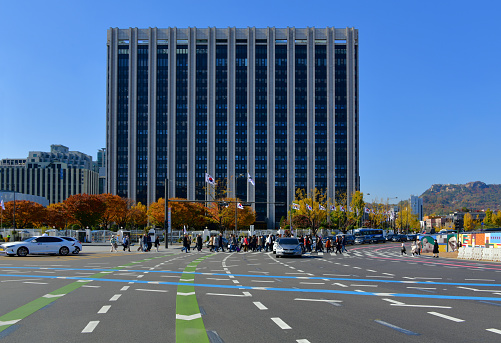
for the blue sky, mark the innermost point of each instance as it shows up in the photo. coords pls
(430, 103)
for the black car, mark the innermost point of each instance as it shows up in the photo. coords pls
(399, 238)
(377, 239)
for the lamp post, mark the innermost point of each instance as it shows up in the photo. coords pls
(166, 229)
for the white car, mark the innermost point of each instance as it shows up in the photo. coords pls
(38, 245)
(288, 246)
(76, 244)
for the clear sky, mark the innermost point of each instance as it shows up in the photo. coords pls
(430, 90)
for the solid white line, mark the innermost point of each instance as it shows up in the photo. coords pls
(104, 309)
(479, 280)
(261, 281)
(353, 285)
(495, 331)
(422, 287)
(312, 283)
(36, 283)
(151, 290)
(90, 327)
(260, 306)
(281, 324)
(321, 300)
(115, 297)
(446, 317)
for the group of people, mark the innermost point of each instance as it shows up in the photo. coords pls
(145, 243)
(417, 247)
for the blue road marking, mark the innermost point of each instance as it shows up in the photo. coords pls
(330, 291)
(262, 276)
(394, 327)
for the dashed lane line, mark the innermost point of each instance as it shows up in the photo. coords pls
(457, 320)
(494, 331)
(281, 324)
(91, 326)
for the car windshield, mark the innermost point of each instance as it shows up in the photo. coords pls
(288, 241)
(29, 239)
(69, 238)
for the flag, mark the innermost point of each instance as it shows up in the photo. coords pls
(367, 210)
(184, 229)
(2, 205)
(321, 207)
(295, 206)
(209, 179)
(249, 179)
(309, 207)
(240, 206)
(333, 207)
(341, 208)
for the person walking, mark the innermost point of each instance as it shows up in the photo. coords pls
(339, 245)
(418, 247)
(199, 242)
(328, 245)
(157, 243)
(403, 250)
(145, 243)
(140, 241)
(211, 243)
(216, 243)
(435, 249)
(221, 243)
(125, 242)
(185, 243)
(113, 242)
(343, 244)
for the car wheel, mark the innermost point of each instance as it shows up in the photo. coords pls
(22, 251)
(64, 251)
(76, 251)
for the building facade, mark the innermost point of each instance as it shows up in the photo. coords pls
(61, 153)
(417, 206)
(279, 104)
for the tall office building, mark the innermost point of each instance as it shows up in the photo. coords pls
(278, 103)
(417, 206)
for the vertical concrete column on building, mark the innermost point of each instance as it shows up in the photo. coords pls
(350, 71)
(231, 115)
(331, 113)
(271, 34)
(152, 115)
(211, 107)
(357, 107)
(191, 119)
(310, 128)
(251, 111)
(291, 115)
(171, 138)
(111, 111)
(132, 170)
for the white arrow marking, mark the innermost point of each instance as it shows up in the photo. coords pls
(188, 317)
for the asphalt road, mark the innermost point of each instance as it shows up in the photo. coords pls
(371, 293)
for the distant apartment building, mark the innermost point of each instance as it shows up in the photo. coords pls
(53, 175)
(417, 206)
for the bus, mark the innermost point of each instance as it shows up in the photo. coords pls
(367, 232)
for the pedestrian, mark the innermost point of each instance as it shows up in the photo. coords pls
(269, 246)
(124, 242)
(211, 243)
(145, 243)
(435, 249)
(339, 245)
(157, 243)
(185, 243)
(221, 243)
(148, 239)
(403, 250)
(343, 244)
(140, 241)
(216, 243)
(413, 249)
(328, 245)
(418, 247)
(128, 243)
(113, 242)
(199, 242)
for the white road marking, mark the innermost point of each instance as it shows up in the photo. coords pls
(319, 300)
(262, 281)
(312, 283)
(446, 317)
(281, 324)
(89, 286)
(495, 331)
(124, 288)
(479, 280)
(302, 341)
(398, 303)
(9, 322)
(339, 284)
(53, 295)
(185, 294)
(104, 309)
(188, 317)
(353, 285)
(90, 327)
(115, 297)
(217, 279)
(151, 290)
(229, 295)
(36, 283)
(260, 306)
(421, 287)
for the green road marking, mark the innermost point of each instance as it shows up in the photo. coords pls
(189, 324)
(24, 311)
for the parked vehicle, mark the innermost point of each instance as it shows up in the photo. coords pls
(362, 239)
(377, 239)
(38, 245)
(76, 243)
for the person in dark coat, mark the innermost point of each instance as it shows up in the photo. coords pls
(435, 249)
(186, 243)
(199, 242)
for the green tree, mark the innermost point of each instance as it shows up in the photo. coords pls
(488, 217)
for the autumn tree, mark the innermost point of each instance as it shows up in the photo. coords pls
(488, 220)
(468, 223)
(313, 207)
(138, 215)
(27, 213)
(57, 215)
(86, 209)
(245, 216)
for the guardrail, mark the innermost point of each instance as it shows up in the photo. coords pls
(477, 253)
